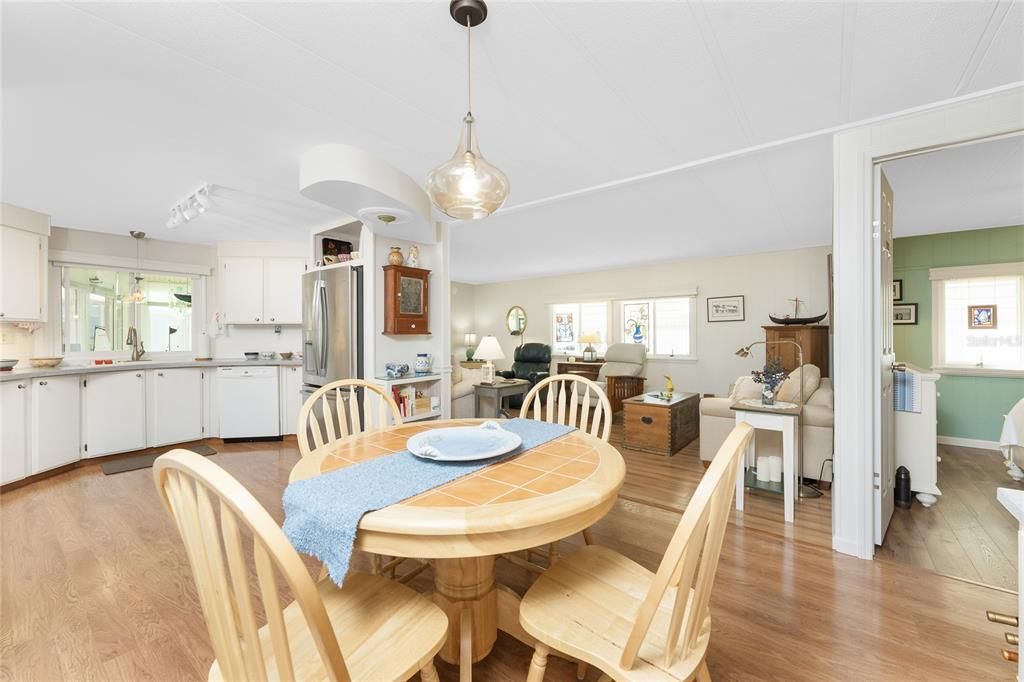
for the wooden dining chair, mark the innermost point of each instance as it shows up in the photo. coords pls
(325, 419)
(565, 402)
(605, 610)
(371, 629)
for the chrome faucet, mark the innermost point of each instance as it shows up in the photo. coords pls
(138, 348)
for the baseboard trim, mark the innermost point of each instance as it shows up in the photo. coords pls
(969, 443)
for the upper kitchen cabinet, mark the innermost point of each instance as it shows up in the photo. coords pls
(261, 290)
(24, 236)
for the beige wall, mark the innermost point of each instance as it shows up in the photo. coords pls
(766, 281)
(463, 316)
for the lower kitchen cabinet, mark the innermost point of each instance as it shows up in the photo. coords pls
(113, 412)
(291, 398)
(174, 408)
(56, 422)
(14, 426)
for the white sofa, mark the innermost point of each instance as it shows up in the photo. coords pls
(816, 420)
(463, 380)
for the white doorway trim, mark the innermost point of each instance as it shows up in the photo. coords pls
(856, 354)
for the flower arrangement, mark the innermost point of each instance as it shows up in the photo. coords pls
(771, 377)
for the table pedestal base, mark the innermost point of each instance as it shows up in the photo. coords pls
(476, 610)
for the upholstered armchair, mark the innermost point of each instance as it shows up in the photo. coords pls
(621, 375)
(531, 361)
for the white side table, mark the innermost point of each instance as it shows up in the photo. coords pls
(780, 418)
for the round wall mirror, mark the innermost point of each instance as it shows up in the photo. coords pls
(515, 320)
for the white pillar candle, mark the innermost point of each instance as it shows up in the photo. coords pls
(775, 469)
(763, 469)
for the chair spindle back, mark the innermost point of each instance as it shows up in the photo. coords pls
(569, 407)
(324, 417)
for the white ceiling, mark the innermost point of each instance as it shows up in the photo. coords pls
(962, 188)
(113, 111)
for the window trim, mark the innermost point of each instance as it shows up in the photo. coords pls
(692, 356)
(199, 283)
(939, 277)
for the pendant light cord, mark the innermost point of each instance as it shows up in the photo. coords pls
(469, 65)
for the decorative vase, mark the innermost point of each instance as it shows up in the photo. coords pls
(767, 396)
(469, 354)
(422, 364)
(396, 370)
(396, 257)
(413, 260)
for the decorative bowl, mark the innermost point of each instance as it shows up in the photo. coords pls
(286, 355)
(396, 370)
(267, 355)
(251, 356)
(7, 365)
(45, 362)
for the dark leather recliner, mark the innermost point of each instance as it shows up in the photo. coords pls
(531, 361)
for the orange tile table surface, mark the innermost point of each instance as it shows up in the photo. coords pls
(546, 487)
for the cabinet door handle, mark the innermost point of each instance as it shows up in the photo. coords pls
(272, 319)
(257, 319)
(647, 420)
(139, 375)
(21, 385)
(1, 314)
(159, 374)
(43, 383)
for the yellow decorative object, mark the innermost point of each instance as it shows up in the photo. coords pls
(669, 386)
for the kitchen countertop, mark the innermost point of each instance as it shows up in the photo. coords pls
(66, 369)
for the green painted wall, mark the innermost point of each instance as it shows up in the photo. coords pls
(970, 407)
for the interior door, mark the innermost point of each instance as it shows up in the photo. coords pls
(885, 455)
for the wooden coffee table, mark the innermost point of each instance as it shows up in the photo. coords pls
(661, 427)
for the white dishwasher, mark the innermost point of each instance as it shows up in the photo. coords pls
(247, 402)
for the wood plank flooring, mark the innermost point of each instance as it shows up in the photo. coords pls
(95, 585)
(967, 533)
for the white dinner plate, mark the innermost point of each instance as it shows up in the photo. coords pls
(463, 443)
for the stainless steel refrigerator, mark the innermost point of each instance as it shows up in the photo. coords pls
(332, 326)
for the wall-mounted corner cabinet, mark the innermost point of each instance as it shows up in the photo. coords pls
(406, 300)
(261, 290)
(23, 255)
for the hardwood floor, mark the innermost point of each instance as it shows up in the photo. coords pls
(94, 584)
(966, 534)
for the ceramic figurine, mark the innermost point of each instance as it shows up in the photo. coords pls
(669, 386)
(413, 261)
(396, 370)
(396, 257)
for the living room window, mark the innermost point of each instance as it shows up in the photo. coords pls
(979, 319)
(666, 326)
(570, 321)
(96, 310)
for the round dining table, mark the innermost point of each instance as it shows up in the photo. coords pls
(542, 495)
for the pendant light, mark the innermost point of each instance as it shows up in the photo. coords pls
(467, 187)
(136, 295)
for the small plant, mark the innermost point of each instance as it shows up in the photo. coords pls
(771, 377)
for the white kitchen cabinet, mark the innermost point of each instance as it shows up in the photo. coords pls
(56, 433)
(114, 413)
(241, 290)
(261, 290)
(282, 290)
(14, 406)
(174, 406)
(22, 275)
(291, 398)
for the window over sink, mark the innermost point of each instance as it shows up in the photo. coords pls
(97, 307)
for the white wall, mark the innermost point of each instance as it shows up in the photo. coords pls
(463, 316)
(766, 280)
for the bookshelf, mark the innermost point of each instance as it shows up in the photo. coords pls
(425, 388)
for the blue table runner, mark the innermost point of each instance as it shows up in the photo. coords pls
(322, 513)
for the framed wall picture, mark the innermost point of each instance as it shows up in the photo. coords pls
(726, 309)
(904, 313)
(981, 317)
(897, 290)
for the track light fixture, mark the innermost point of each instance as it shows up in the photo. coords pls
(191, 207)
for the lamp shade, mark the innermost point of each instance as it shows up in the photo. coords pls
(590, 337)
(489, 349)
(469, 339)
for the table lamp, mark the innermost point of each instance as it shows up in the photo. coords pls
(590, 338)
(470, 341)
(488, 350)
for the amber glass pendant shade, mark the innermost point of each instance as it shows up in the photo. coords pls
(467, 187)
